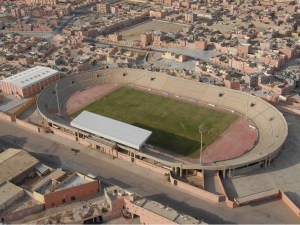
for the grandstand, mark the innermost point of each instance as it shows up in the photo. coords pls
(269, 122)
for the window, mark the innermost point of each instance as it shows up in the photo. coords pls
(10, 217)
(20, 214)
(29, 211)
(63, 201)
(73, 198)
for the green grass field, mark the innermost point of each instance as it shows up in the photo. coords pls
(174, 123)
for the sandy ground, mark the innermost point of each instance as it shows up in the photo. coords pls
(134, 33)
(56, 151)
(283, 173)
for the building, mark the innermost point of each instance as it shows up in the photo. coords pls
(154, 37)
(103, 7)
(16, 12)
(190, 17)
(146, 39)
(269, 84)
(129, 205)
(40, 2)
(59, 188)
(29, 82)
(201, 44)
(252, 79)
(174, 56)
(115, 37)
(243, 50)
(15, 203)
(233, 83)
(16, 165)
(275, 60)
(27, 186)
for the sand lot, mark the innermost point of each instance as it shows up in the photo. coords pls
(134, 33)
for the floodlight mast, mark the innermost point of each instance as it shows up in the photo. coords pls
(247, 106)
(58, 106)
(201, 130)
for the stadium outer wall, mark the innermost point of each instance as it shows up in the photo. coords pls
(269, 122)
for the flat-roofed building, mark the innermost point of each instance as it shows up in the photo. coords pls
(42, 185)
(9, 193)
(29, 82)
(15, 203)
(58, 188)
(16, 165)
(34, 193)
(130, 205)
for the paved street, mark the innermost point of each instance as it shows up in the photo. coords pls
(194, 53)
(282, 174)
(58, 152)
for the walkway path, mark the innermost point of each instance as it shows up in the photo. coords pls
(57, 152)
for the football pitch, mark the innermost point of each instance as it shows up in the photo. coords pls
(175, 124)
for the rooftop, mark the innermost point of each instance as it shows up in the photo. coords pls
(30, 76)
(8, 191)
(159, 209)
(114, 192)
(14, 162)
(55, 175)
(111, 129)
(73, 182)
(165, 211)
(22, 203)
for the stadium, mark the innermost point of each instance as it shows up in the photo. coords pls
(266, 120)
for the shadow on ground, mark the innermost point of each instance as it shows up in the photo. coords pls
(179, 144)
(183, 207)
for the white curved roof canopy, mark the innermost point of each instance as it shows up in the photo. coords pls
(111, 129)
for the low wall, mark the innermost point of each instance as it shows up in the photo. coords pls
(152, 167)
(229, 203)
(12, 118)
(288, 110)
(289, 203)
(27, 125)
(17, 215)
(6, 117)
(25, 106)
(84, 142)
(202, 175)
(124, 157)
(195, 190)
(63, 134)
(115, 153)
(45, 129)
(106, 151)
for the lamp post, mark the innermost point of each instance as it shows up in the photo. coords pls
(57, 98)
(201, 130)
(247, 106)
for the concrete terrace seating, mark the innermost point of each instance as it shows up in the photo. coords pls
(269, 122)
